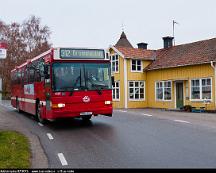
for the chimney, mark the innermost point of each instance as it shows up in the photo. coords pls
(168, 42)
(142, 45)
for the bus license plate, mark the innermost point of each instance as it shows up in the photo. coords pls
(86, 113)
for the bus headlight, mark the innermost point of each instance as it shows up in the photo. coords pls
(59, 105)
(108, 102)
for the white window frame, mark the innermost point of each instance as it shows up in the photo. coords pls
(115, 62)
(163, 90)
(144, 90)
(136, 71)
(115, 90)
(200, 89)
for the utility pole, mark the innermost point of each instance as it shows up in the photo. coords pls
(174, 22)
(122, 26)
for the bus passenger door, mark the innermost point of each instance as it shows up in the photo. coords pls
(47, 86)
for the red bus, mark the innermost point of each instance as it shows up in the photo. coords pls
(64, 82)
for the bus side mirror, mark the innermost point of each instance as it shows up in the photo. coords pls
(46, 71)
(113, 81)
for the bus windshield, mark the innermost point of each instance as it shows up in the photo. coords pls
(81, 76)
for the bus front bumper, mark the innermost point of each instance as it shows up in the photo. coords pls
(64, 113)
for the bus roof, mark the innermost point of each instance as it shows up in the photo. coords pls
(33, 59)
(68, 53)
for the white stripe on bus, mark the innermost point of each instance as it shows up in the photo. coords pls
(30, 101)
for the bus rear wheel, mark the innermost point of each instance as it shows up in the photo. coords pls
(18, 106)
(38, 114)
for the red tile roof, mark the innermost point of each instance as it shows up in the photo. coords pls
(200, 52)
(134, 53)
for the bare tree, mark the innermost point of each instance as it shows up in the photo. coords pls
(25, 41)
(35, 36)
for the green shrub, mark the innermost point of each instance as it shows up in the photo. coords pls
(187, 108)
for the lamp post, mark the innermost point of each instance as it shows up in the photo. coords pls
(3, 55)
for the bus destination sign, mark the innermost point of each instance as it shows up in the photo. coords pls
(82, 53)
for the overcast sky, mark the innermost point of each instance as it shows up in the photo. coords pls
(98, 23)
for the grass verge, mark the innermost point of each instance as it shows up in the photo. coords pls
(14, 150)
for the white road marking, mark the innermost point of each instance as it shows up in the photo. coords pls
(40, 124)
(122, 111)
(148, 115)
(62, 159)
(50, 136)
(182, 121)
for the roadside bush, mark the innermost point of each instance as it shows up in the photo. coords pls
(187, 108)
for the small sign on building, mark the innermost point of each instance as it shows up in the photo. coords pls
(3, 50)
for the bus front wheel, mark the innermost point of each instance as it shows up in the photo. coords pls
(86, 118)
(38, 114)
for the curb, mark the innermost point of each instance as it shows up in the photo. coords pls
(11, 122)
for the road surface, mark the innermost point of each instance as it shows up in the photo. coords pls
(129, 139)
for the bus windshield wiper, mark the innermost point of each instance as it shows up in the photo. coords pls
(73, 87)
(96, 86)
(68, 88)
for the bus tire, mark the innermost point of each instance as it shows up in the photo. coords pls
(18, 106)
(86, 118)
(38, 114)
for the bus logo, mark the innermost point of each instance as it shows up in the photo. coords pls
(86, 99)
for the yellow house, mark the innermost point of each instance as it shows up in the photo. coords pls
(168, 78)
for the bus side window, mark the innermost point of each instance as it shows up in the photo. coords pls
(41, 70)
(47, 71)
(26, 76)
(37, 71)
(15, 77)
(31, 75)
(19, 77)
(22, 76)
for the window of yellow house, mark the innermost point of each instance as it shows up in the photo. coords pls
(163, 90)
(136, 90)
(115, 63)
(116, 91)
(136, 65)
(201, 89)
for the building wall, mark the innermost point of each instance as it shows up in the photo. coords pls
(131, 76)
(177, 74)
(137, 76)
(119, 77)
(184, 74)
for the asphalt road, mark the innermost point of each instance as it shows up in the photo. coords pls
(127, 140)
